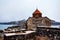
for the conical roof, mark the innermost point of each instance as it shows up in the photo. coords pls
(37, 12)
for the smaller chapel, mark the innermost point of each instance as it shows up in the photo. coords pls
(37, 20)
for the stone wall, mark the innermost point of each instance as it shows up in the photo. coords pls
(34, 22)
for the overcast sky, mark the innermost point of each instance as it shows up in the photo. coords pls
(14, 10)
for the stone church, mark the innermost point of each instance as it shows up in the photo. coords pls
(37, 20)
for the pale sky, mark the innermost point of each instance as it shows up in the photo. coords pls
(14, 10)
